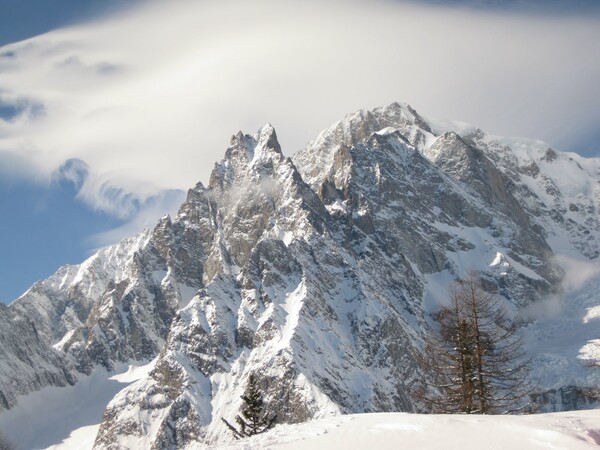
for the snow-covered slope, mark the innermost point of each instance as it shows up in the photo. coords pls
(574, 431)
(67, 417)
(319, 273)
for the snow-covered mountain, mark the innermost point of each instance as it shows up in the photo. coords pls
(319, 272)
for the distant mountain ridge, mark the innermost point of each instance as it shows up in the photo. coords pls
(319, 272)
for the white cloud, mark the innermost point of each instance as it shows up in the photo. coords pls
(580, 276)
(578, 272)
(144, 216)
(148, 98)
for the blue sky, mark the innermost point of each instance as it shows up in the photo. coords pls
(43, 226)
(527, 6)
(22, 19)
(106, 120)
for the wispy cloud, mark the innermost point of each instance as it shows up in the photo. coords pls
(578, 272)
(144, 216)
(148, 98)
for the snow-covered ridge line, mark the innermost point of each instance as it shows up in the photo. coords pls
(317, 272)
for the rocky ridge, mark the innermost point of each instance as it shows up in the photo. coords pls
(318, 272)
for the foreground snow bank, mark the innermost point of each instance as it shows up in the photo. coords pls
(567, 430)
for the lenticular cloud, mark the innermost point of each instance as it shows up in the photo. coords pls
(148, 98)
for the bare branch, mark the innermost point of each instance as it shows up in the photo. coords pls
(476, 361)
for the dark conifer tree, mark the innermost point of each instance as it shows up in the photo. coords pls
(253, 419)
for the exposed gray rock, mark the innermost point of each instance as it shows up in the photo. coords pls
(318, 273)
(27, 362)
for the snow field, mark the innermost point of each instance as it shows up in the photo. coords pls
(391, 431)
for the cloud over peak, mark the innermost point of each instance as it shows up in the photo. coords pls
(147, 98)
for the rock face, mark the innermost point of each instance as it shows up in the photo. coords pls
(28, 363)
(317, 272)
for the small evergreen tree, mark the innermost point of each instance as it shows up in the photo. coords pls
(254, 419)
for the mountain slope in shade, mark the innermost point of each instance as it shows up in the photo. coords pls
(27, 362)
(319, 272)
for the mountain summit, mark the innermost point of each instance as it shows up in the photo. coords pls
(319, 273)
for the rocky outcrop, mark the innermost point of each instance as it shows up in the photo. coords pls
(320, 288)
(27, 362)
(318, 273)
